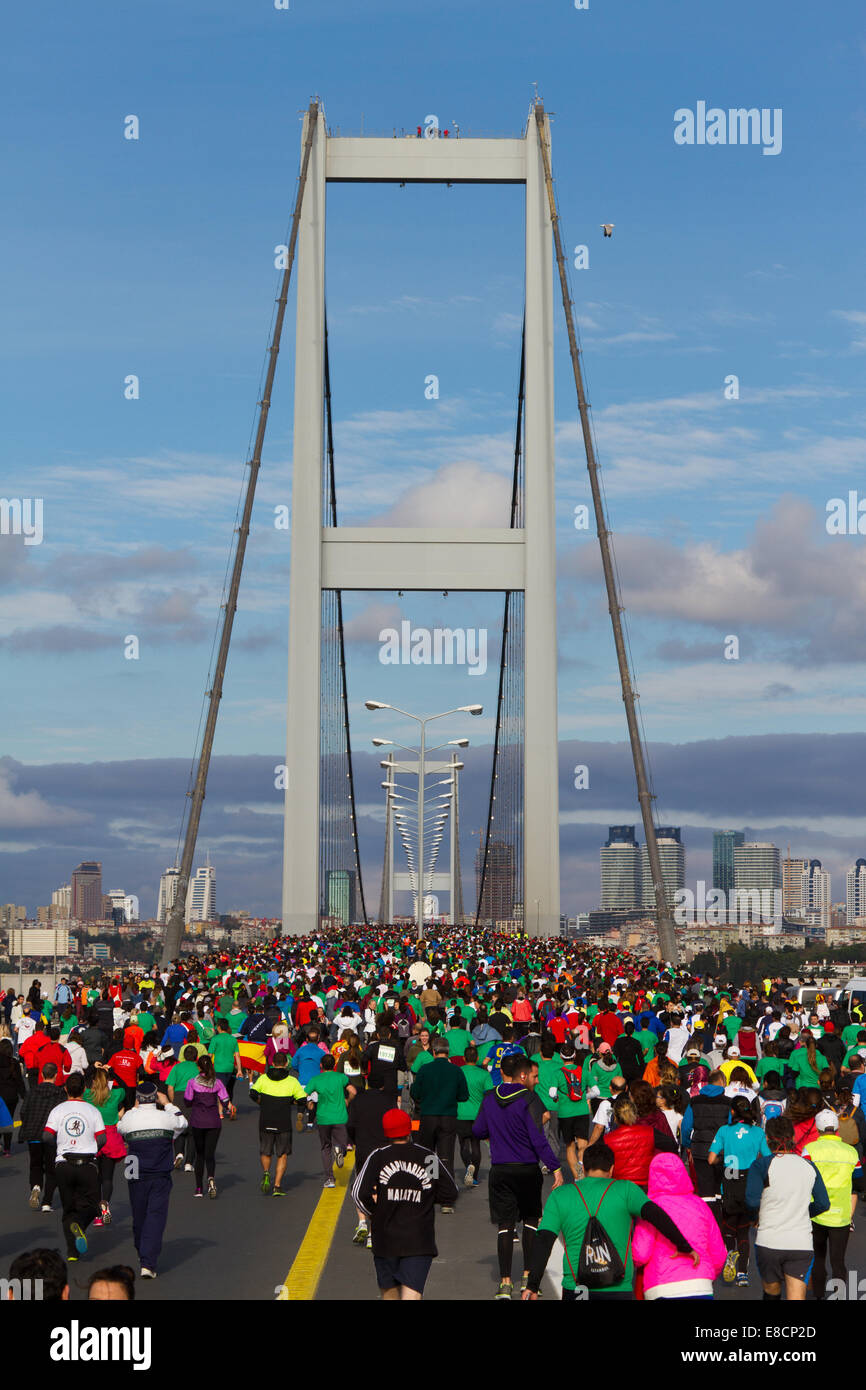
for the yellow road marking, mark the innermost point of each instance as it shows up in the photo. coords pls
(303, 1278)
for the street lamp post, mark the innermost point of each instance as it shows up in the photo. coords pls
(461, 709)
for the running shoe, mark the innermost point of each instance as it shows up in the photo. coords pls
(299, 1122)
(278, 1192)
(97, 1221)
(35, 1198)
(78, 1236)
(148, 1273)
(742, 1281)
(447, 1211)
(469, 1179)
(198, 1192)
(329, 1182)
(360, 1236)
(188, 1168)
(339, 1157)
(266, 1183)
(46, 1207)
(505, 1289)
(211, 1189)
(369, 1242)
(72, 1259)
(105, 1213)
(178, 1161)
(729, 1273)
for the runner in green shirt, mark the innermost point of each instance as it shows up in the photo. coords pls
(617, 1204)
(329, 1089)
(479, 1082)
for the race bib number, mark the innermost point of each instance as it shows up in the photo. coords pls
(387, 1053)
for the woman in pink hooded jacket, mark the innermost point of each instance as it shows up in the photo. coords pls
(667, 1274)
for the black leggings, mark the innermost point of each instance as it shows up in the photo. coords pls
(106, 1168)
(505, 1248)
(205, 1141)
(736, 1232)
(470, 1152)
(832, 1241)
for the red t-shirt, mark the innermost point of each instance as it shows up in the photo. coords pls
(521, 1011)
(126, 1065)
(307, 1009)
(53, 1052)
(558, 1027)
(31, 1047)
(609, 1026)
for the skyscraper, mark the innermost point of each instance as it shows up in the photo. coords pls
(756, 865)
(855, 890)
(201, 897)
(816, 893)
(724, 843)
(673, 861)
(167, 893)
(497, 904)
(340, 887)
(620, 870)
(792, 886)
(87, 892)
(61, 902)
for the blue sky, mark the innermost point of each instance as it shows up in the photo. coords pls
(155, 257)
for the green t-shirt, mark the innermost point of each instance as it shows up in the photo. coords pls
(566, 1108)
(851, 1033)
(549, 1077)
(565, 1213)
(110, 1110)
(799, 1064)
(855, 1052)
(66, 1026)
(479, 1082)
(146, 1022)
(181, 1073)
(647, 1040)
(329, 1088)
(458, 1041)
(594, 1074)
(732, 1025)
(205, 1029)
(223, 1047)
(236, 1021)
(766, 1064)
(421, 1061)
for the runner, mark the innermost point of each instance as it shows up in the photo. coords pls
(397, 1190)
(329, 1090)
(208, 1101)
(275, 1092)
(786, 1191)
(77, 1131)
(150, 1133)
(511, 1117)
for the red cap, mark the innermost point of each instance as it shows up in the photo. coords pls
(396, 1124)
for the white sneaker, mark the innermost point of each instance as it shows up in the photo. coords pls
(469, 1179)
(339, 1156)
(148, 1273)
(188, 1168)
(46, 1207)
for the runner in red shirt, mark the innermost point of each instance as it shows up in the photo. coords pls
(29, 1052)
(125, 1065)
(54, 1051)
(608, 1025)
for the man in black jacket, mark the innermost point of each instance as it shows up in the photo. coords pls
(398, 1189)
(629, 1054)
(704, 1117)
(38, 1104)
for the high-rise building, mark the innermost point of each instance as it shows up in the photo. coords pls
(61, 901)
(855, 891)
(792, 886)
(114, 906)
(130, 907)
(87, 892)
(167, 893)
(724, 843)
(201, 897)
(757, 883)
(340, 888)
(620, 870)
(673, 861)
(816, 894)
(497, 902)
(12, 916)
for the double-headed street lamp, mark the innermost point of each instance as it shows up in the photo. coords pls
(422, 753)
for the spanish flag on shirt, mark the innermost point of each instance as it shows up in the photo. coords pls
(252, 1055)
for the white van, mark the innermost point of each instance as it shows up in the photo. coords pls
(855, 993)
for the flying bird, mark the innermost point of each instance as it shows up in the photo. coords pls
(607, 228)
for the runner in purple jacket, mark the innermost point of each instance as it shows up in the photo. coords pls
(206, 1097)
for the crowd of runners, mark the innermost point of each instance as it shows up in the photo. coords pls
(664, 1128)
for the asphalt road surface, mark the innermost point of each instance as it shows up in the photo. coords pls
(244, 1245)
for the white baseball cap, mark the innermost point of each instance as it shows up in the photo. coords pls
(826, 1119)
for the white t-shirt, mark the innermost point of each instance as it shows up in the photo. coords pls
(677, 1039)
(26, 1029)
(76, 1124)
(604, 1115)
